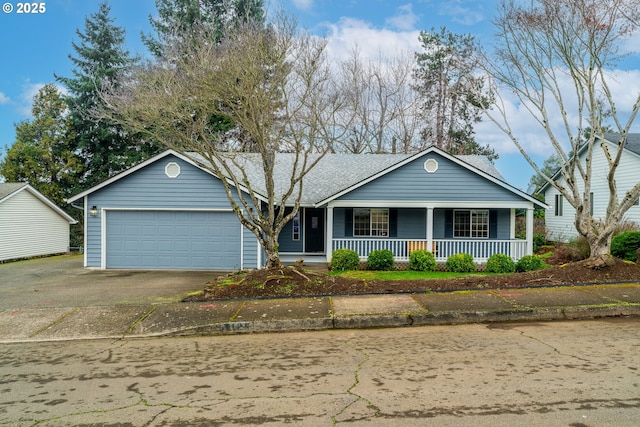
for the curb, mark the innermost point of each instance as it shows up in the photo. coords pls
(400, 320)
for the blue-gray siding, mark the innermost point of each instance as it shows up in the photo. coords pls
(285, 240)
(150, 188)
(451, 182)
(412, 224)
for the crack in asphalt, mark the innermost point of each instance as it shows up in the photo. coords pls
(525, 335)
(132, 388)
(508, 409)
(356, 375)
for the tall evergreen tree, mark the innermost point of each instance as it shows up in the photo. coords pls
(184, 19)
(41, 154)
(448, 82)
(101, 59)
(183, 24)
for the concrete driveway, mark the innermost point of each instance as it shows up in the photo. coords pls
(61, 281)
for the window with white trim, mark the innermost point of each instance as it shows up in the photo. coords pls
(371, 222)
(471, 224)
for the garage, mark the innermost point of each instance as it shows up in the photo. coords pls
(150, 239)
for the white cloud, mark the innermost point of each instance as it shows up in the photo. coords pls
(303, 4)
(371, 41)
(4, 99)
(375, 43)
(405, 19)
(29, 91)
(625, 89)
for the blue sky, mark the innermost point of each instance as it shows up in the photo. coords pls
(35, 46)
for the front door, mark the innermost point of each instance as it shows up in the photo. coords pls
(313, 230)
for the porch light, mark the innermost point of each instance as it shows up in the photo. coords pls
(93, 211)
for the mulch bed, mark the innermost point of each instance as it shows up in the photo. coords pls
(291, 281)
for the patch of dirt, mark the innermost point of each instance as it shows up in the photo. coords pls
(294, 281)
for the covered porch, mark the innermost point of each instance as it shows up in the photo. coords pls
(480, 229)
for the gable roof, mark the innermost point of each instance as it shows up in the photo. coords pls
(479, 165)
(332, 176)
(135, 169)
(10, 189)
(337, 174)
(632, 145)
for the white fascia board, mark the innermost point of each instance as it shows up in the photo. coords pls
(145, 164)
(429, 204)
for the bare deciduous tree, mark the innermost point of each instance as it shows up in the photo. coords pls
(379, 92)
(556, 57)
(273, 84)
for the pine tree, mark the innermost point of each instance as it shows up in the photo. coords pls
(41, 155)
(184, 18)
(182, 24)
(100, 60)
(448, 83)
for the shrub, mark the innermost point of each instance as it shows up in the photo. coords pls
(344, 259)
(422, 260)
(500, 263)
(580, 248)
(539, 240)
(461, 263)
(382, 259)
(626, 225)
(625, 245)
(528, 263)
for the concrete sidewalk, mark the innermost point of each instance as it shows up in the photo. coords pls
(320, 313)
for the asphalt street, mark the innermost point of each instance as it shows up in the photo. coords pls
(580, 373)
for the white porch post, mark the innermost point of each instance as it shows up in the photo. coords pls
(429, 229)
(530, 230)
(329, 233)
(512, 231)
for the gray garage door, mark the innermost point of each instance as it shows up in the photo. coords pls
(173, 240)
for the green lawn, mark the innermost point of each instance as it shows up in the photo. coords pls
(406, 274)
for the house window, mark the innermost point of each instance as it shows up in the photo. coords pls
(591, 203)
(371, 222)
(296, 226)
(558, 209)
(471, 224)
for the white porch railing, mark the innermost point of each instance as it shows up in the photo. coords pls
(481, 250)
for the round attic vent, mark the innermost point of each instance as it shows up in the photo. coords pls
(172, 170)
(431, 165)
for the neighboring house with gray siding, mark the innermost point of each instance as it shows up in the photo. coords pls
(30, 224)
(560, 218)
(172, 213)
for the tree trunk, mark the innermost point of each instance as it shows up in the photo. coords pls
(271, 250)
(600, 246)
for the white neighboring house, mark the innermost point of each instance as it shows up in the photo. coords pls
(30, 224)
(560, 218)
